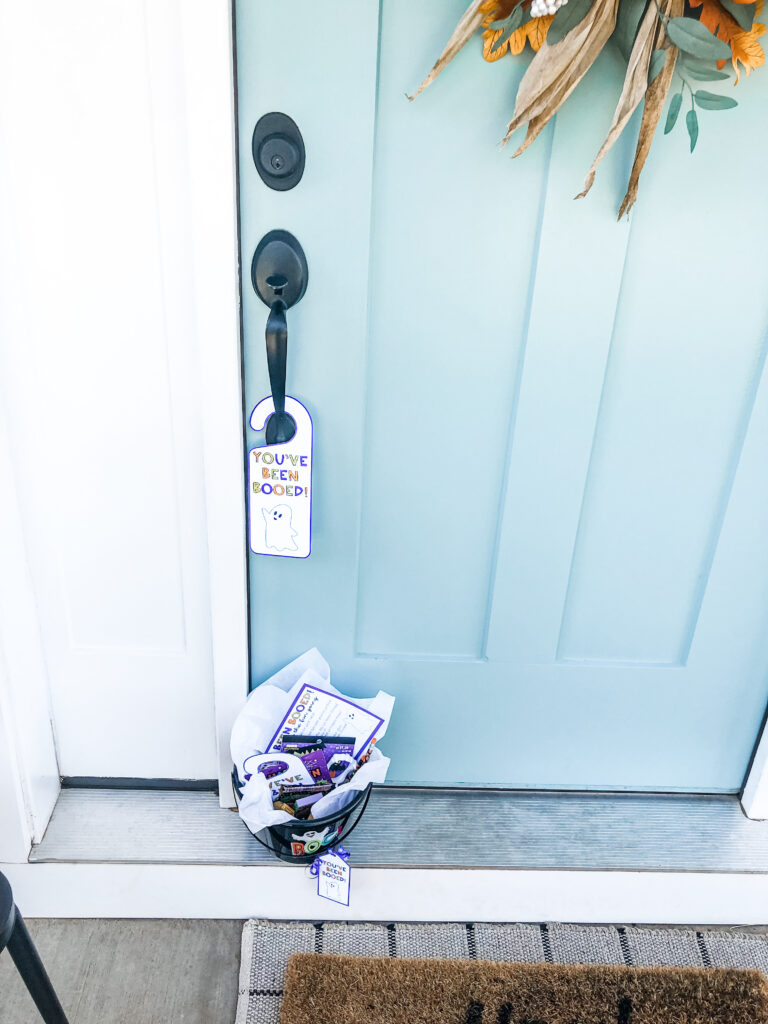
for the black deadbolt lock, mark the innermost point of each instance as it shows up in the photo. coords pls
(278, 151)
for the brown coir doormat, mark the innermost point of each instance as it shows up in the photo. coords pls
(375, 990)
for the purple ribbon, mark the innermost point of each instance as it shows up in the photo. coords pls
(339, 851)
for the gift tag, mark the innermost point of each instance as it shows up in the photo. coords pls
(333, 879)
(280, 486)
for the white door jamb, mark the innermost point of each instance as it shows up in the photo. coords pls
(754, 796)
(29, 773)
(207, 33)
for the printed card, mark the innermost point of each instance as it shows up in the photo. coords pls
(333, 879)
(324, 714)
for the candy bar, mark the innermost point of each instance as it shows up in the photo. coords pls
(338, 750)
(339, 744)
(307, 801)
(304, 804)
(288, 794)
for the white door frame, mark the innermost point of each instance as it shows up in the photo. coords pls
(754, 795)
(208, 42)
(28, 775)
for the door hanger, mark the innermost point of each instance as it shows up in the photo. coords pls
(280, 486)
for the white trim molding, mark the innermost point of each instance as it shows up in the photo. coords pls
(29, 774)
(16, 830)
(754, 798)
(207, 30)
(281, 893)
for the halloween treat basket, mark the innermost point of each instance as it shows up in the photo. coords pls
(299, 842)
(305, 759)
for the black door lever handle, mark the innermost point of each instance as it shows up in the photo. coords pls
(279, 275)
(280, 426)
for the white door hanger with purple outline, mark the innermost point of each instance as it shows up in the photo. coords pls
(280, 486)
(280, 472)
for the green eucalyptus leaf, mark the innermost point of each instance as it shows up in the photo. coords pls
(674, 110)
(510, 25)
(712, 100)
(568, 16)
(693, 37)
(742, 14)
(657, 62)
(627, 24)
(695, 63)
(707, 76)
(692, 124)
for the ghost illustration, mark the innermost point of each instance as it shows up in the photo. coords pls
(279, 533)
(312, 841)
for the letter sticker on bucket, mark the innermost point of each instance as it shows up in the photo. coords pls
(313, 841)
(280, 486)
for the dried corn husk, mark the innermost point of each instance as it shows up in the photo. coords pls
(469, 23)
(635, 85)
(655, 97)
(556, 70)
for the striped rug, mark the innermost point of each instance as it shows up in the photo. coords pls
(267, 946)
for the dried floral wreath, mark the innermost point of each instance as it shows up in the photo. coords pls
(662, 40)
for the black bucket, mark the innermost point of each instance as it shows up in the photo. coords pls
(299, 842)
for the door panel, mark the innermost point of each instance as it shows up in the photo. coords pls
(99, 379)
(448, 297)
(539, 487)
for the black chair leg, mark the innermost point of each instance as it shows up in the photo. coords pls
(30, 967)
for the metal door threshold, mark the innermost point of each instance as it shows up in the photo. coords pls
(426, 829)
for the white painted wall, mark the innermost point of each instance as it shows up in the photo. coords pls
(100, 367)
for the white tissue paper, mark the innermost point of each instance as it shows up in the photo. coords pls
(259, 725)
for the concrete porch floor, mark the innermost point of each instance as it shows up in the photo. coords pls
(150, 971)
(132, 972)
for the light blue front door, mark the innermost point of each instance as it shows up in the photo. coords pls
(540, 500)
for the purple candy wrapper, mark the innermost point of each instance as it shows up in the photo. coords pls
(272, 768)
(315, 763)
(307, 801)
(331, 747)
(345, 744)
(289, 794)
